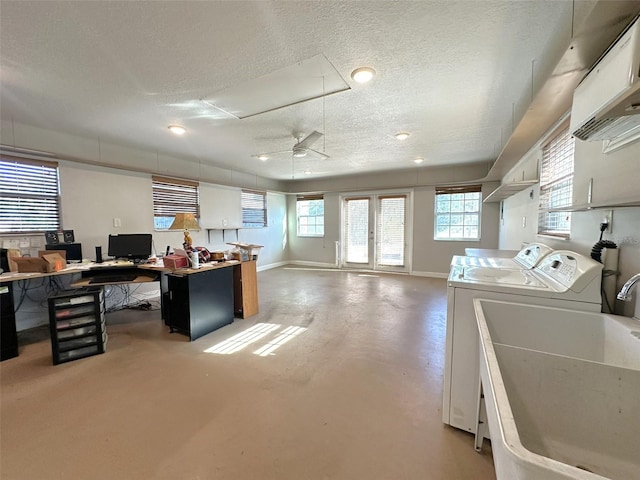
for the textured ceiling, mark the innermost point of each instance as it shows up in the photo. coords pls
(457, 75)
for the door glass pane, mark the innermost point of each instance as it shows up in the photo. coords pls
(391, 218)
(357, 230)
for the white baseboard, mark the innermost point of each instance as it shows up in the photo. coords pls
(430, 274)
(312, 264)
(272, 265)
(333, 266)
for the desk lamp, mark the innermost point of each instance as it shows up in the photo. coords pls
(185, 221)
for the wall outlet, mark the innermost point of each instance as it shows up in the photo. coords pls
(117, 222)
(608, 218)
(225, 222)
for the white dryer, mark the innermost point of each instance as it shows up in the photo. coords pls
(525, 259)
(563, 279)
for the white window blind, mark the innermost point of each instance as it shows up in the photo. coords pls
(171, 196)
(391, 229)
(29, 195)
(254, 208)
(310, 215)
(556, 185)
(457, 212)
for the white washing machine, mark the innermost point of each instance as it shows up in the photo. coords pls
(525, 259)
(562, 279)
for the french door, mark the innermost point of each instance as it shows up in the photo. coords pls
(374, 232)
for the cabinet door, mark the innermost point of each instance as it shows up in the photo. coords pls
(211, 300)
(8, 335)
(178, 305)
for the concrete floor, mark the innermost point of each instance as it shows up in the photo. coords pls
(355, 393)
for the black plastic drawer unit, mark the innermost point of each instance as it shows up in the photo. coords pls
(76, 319)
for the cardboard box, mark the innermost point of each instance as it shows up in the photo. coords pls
(248, 251)
(62, 253)
(12, 254)
(54, 262)
(30, 264)
(50, 262)
(175, 261)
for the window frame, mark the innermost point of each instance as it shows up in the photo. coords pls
(309, 198)
(249, 210)
(549, 209)
(173, 195)
(14, 192)
(456, 190)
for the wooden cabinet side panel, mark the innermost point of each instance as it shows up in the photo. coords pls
(249, 289)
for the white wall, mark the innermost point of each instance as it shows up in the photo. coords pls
(429, 257)
(434, 256)
(93, 196)
(616, 177)
(315, 250)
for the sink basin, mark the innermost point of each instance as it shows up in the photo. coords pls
(561, 391)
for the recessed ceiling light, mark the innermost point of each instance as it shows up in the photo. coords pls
(307, 172)
(363, 74)
(177, 129)
(264, 158)
(402, 135)
(418, 160)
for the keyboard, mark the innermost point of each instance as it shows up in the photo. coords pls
(115, 278)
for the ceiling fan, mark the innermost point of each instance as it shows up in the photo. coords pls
(300, 149)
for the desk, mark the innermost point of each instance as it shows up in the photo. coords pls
(193, 301)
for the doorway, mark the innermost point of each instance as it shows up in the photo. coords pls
(375, 232)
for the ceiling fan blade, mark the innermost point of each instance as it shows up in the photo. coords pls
(310, 139)
(271, 153)
(318, 153)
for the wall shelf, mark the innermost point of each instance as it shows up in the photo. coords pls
(223, 230)
(508, 189)
(585, 207)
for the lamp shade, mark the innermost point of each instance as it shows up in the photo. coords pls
(185, 221)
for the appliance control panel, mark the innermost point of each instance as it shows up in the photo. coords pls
(532, 254)
(570, 269)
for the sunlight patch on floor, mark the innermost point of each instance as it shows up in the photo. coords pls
(243, 339)
(286, 335)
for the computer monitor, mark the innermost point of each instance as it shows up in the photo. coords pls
(73, 250)
(134, 246)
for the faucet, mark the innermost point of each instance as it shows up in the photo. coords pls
(625, 292)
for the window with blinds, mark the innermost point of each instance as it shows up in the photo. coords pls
(171, 196)
(556, 185)
(254, 208)
(310, 215)
(29, 195)
(391, 230)
(457, 212)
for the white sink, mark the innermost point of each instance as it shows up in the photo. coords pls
(562, 391)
